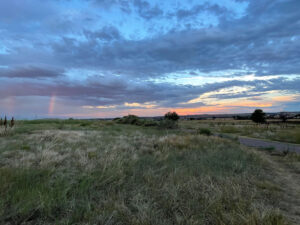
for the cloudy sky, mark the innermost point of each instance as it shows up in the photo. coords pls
(108, 58)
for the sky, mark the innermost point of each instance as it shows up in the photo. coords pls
(110, 58)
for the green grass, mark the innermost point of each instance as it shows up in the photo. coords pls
(108, 173)
(204, 131)
(275, 132)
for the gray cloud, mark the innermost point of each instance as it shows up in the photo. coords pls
(264, 41)
(96, 91)
(146, 11)
(200, 8)
(32, 72)
(107, 33)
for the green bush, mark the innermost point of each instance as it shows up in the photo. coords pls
(204, 131)
(130, 119)
(150, 123)
(172, 116)
(135, 120)
(85, 123)
(168, 124)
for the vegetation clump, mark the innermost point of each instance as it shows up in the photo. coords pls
(12, 122)
(258, 116)
(5, 122)
(135, 120)
(204, 131)
(167, 124)
(171, 116)
(169, 121)
(130, 119)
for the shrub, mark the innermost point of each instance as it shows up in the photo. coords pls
(150, 123)
(168, 124)
(172, 116)
(12, 122)
(85, 123)
(204, 131)
(135, 120)
(130, 119)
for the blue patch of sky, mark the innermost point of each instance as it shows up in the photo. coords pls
(4, 50)
(133, 27)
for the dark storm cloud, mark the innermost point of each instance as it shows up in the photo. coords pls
(32, 72)
(118, 91)
(102, 93)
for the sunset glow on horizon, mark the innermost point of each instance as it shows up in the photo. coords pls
(95, 58)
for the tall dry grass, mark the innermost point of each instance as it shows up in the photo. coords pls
(106, 173)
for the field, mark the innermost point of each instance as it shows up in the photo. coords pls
(284, 132)
(103, 172)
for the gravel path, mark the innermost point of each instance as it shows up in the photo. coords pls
(279, 146)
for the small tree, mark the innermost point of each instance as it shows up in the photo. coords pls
(12, 122)
(171, 116)
(283, 117)
(5, 122)
(258, 116)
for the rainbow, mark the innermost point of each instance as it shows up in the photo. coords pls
(51, 104)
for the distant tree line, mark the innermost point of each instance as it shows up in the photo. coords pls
(238, 117)
(259, 116)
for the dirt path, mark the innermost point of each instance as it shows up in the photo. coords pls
(288, 179)
(284, 171)
(279, 146)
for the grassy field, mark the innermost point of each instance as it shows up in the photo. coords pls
(276, 132)
(102, 172)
